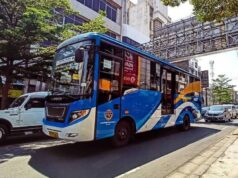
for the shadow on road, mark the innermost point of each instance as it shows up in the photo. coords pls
(12, 140)
(100, 159)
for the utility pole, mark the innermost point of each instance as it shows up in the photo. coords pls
(211, 62)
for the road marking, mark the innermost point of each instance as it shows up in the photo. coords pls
(129, 172)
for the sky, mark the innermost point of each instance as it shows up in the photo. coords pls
(224, 62)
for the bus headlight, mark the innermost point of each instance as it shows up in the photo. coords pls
(78, 114)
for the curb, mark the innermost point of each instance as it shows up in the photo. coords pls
(200, 164)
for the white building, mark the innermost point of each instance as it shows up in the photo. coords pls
(146, 16)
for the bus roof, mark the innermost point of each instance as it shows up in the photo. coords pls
(93, 35)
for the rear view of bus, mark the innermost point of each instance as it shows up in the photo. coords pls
(104, 88)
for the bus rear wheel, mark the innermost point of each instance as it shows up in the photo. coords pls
(123, 134)
(186, 123)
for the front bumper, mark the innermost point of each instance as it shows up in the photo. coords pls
(215, 118)
(79, 131)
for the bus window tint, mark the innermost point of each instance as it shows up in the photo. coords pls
(113, 50)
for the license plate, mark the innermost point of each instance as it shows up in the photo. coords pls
(28, 132)
(53, 134)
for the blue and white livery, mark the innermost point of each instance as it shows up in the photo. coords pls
(105, 88)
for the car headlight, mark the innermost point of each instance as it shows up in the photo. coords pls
(75, 115)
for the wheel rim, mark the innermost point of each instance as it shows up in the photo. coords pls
(122, 134)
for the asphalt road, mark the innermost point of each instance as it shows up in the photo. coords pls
(38, 156)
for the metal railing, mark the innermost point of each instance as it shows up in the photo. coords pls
(188, 37)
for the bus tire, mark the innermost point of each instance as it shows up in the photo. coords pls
(3, 133)
(186, 123)
(123, 134)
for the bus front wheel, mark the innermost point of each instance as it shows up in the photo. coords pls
(123, 134)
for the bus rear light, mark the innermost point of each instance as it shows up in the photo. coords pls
(78, 114)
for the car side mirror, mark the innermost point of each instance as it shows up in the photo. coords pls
(28, 106)
(79, 54)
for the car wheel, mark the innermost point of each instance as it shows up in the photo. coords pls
(186, 123)
(123, 134)
(3, 133)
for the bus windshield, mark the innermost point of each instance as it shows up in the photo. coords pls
(74, 78)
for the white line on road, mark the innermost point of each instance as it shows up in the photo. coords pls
(129, 172)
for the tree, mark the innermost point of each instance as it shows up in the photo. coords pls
(209, 10)
(222, 90)
(24, 26)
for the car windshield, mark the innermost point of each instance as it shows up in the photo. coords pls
(217, 108)
(70, 77)
(205, 108)
(18, 101)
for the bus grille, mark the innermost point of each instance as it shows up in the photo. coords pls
(56, 113)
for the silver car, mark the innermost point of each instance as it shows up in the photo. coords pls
(218, 113)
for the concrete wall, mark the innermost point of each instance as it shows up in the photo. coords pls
(134, 34)
(140, 18)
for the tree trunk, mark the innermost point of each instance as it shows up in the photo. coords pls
(5, 90)
(4, 100)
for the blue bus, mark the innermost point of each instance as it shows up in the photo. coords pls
(105, 88)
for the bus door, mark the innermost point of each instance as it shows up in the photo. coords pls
(108, 102)
(167, 91)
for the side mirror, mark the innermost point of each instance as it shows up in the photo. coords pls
(79, 54)
(28, 106)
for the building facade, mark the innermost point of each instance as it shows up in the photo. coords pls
(89, 9)
(146, 16)
(190, 66)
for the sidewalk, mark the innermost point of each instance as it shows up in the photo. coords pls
(220, 160)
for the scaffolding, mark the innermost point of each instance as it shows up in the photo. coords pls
(186, 38)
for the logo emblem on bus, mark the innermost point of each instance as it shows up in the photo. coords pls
(108, 115)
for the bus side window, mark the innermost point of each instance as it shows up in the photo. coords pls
(109, 81)
(155, 76)
(149, 75)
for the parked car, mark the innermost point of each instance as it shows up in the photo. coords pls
(236, 107)
(24, 116)
(231, 109)
(204, 110)
(217, 113)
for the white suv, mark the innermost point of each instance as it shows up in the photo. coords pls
(24, 115)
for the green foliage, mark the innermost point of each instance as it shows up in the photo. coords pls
(173, 3)
(209, 10)
(24, 24)
(222, 90)
(95, 25)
